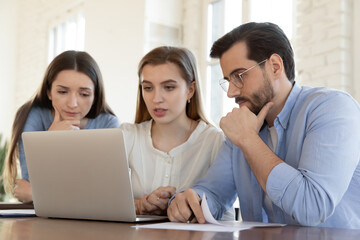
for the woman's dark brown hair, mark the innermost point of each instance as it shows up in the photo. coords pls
(69, 60)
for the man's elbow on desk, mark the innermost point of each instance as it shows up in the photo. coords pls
(312, 216)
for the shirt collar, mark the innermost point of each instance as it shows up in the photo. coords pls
(284, 115)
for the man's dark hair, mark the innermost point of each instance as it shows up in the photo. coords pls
(262, 40)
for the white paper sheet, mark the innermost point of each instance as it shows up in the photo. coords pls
(211, 224)
(193, 227)
(206, 211)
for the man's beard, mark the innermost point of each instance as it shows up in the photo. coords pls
(260, 98)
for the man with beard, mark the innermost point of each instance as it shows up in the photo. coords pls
(292, 152)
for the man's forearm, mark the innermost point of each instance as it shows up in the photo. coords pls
(260, 158)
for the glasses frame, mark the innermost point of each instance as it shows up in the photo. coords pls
(239, 83)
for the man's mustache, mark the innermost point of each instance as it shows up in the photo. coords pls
(240, 99)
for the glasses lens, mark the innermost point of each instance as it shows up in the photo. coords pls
(224, 84)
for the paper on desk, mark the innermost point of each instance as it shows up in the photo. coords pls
(211, 224)
(210, 219)
(17, 213)
(192, 227)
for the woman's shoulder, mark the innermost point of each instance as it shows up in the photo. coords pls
(135, 132)
(208, 129)
(207, 134)
(135, 127)
(106, 120)
(39, 114)
(38, 119)
(37, 111)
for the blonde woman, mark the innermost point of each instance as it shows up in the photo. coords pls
(171, 144)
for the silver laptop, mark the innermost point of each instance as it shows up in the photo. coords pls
(81, 175)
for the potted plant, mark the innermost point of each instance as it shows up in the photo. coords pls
(3, 151)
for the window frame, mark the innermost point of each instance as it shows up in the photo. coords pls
(57, 24)
(208, 62)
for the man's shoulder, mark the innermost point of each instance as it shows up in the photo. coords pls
(319, 95)
(324, 104)
(318, 103)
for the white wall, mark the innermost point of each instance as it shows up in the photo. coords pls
(164, 12)
(116, 42)
(34, 18)
(324, 49)
(194, 17)
(163, 23)
(8, 39)
(114, 35)
(194, 20)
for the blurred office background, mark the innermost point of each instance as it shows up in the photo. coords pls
(117, 33)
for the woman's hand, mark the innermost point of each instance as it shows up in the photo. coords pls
(62, 124)
(156, 202)
(22, 191)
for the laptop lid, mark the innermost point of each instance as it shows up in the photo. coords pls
(80, 174)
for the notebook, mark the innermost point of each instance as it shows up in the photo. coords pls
(81, 175)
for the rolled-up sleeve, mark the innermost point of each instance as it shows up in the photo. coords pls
(330, 152)
(218, 183)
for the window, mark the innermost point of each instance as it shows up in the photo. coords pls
(218, 23)
(222, 17)
(356, 50)
(162, 27)
(215, 29)
(68, 33)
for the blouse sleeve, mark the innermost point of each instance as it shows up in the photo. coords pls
(34, 122)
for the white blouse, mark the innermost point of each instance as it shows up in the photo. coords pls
(181, 167)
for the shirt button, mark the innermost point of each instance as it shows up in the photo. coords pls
(167, 176)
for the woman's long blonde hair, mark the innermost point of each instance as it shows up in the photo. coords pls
(68, 60)
(185, 61)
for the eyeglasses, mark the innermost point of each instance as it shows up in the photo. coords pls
(236, 78)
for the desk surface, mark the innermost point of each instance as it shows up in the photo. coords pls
(41, 228)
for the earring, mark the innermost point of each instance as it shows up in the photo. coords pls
(188, 100)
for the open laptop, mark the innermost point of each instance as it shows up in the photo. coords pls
(81, 175)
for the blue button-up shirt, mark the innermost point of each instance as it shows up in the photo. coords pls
(319, 182)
